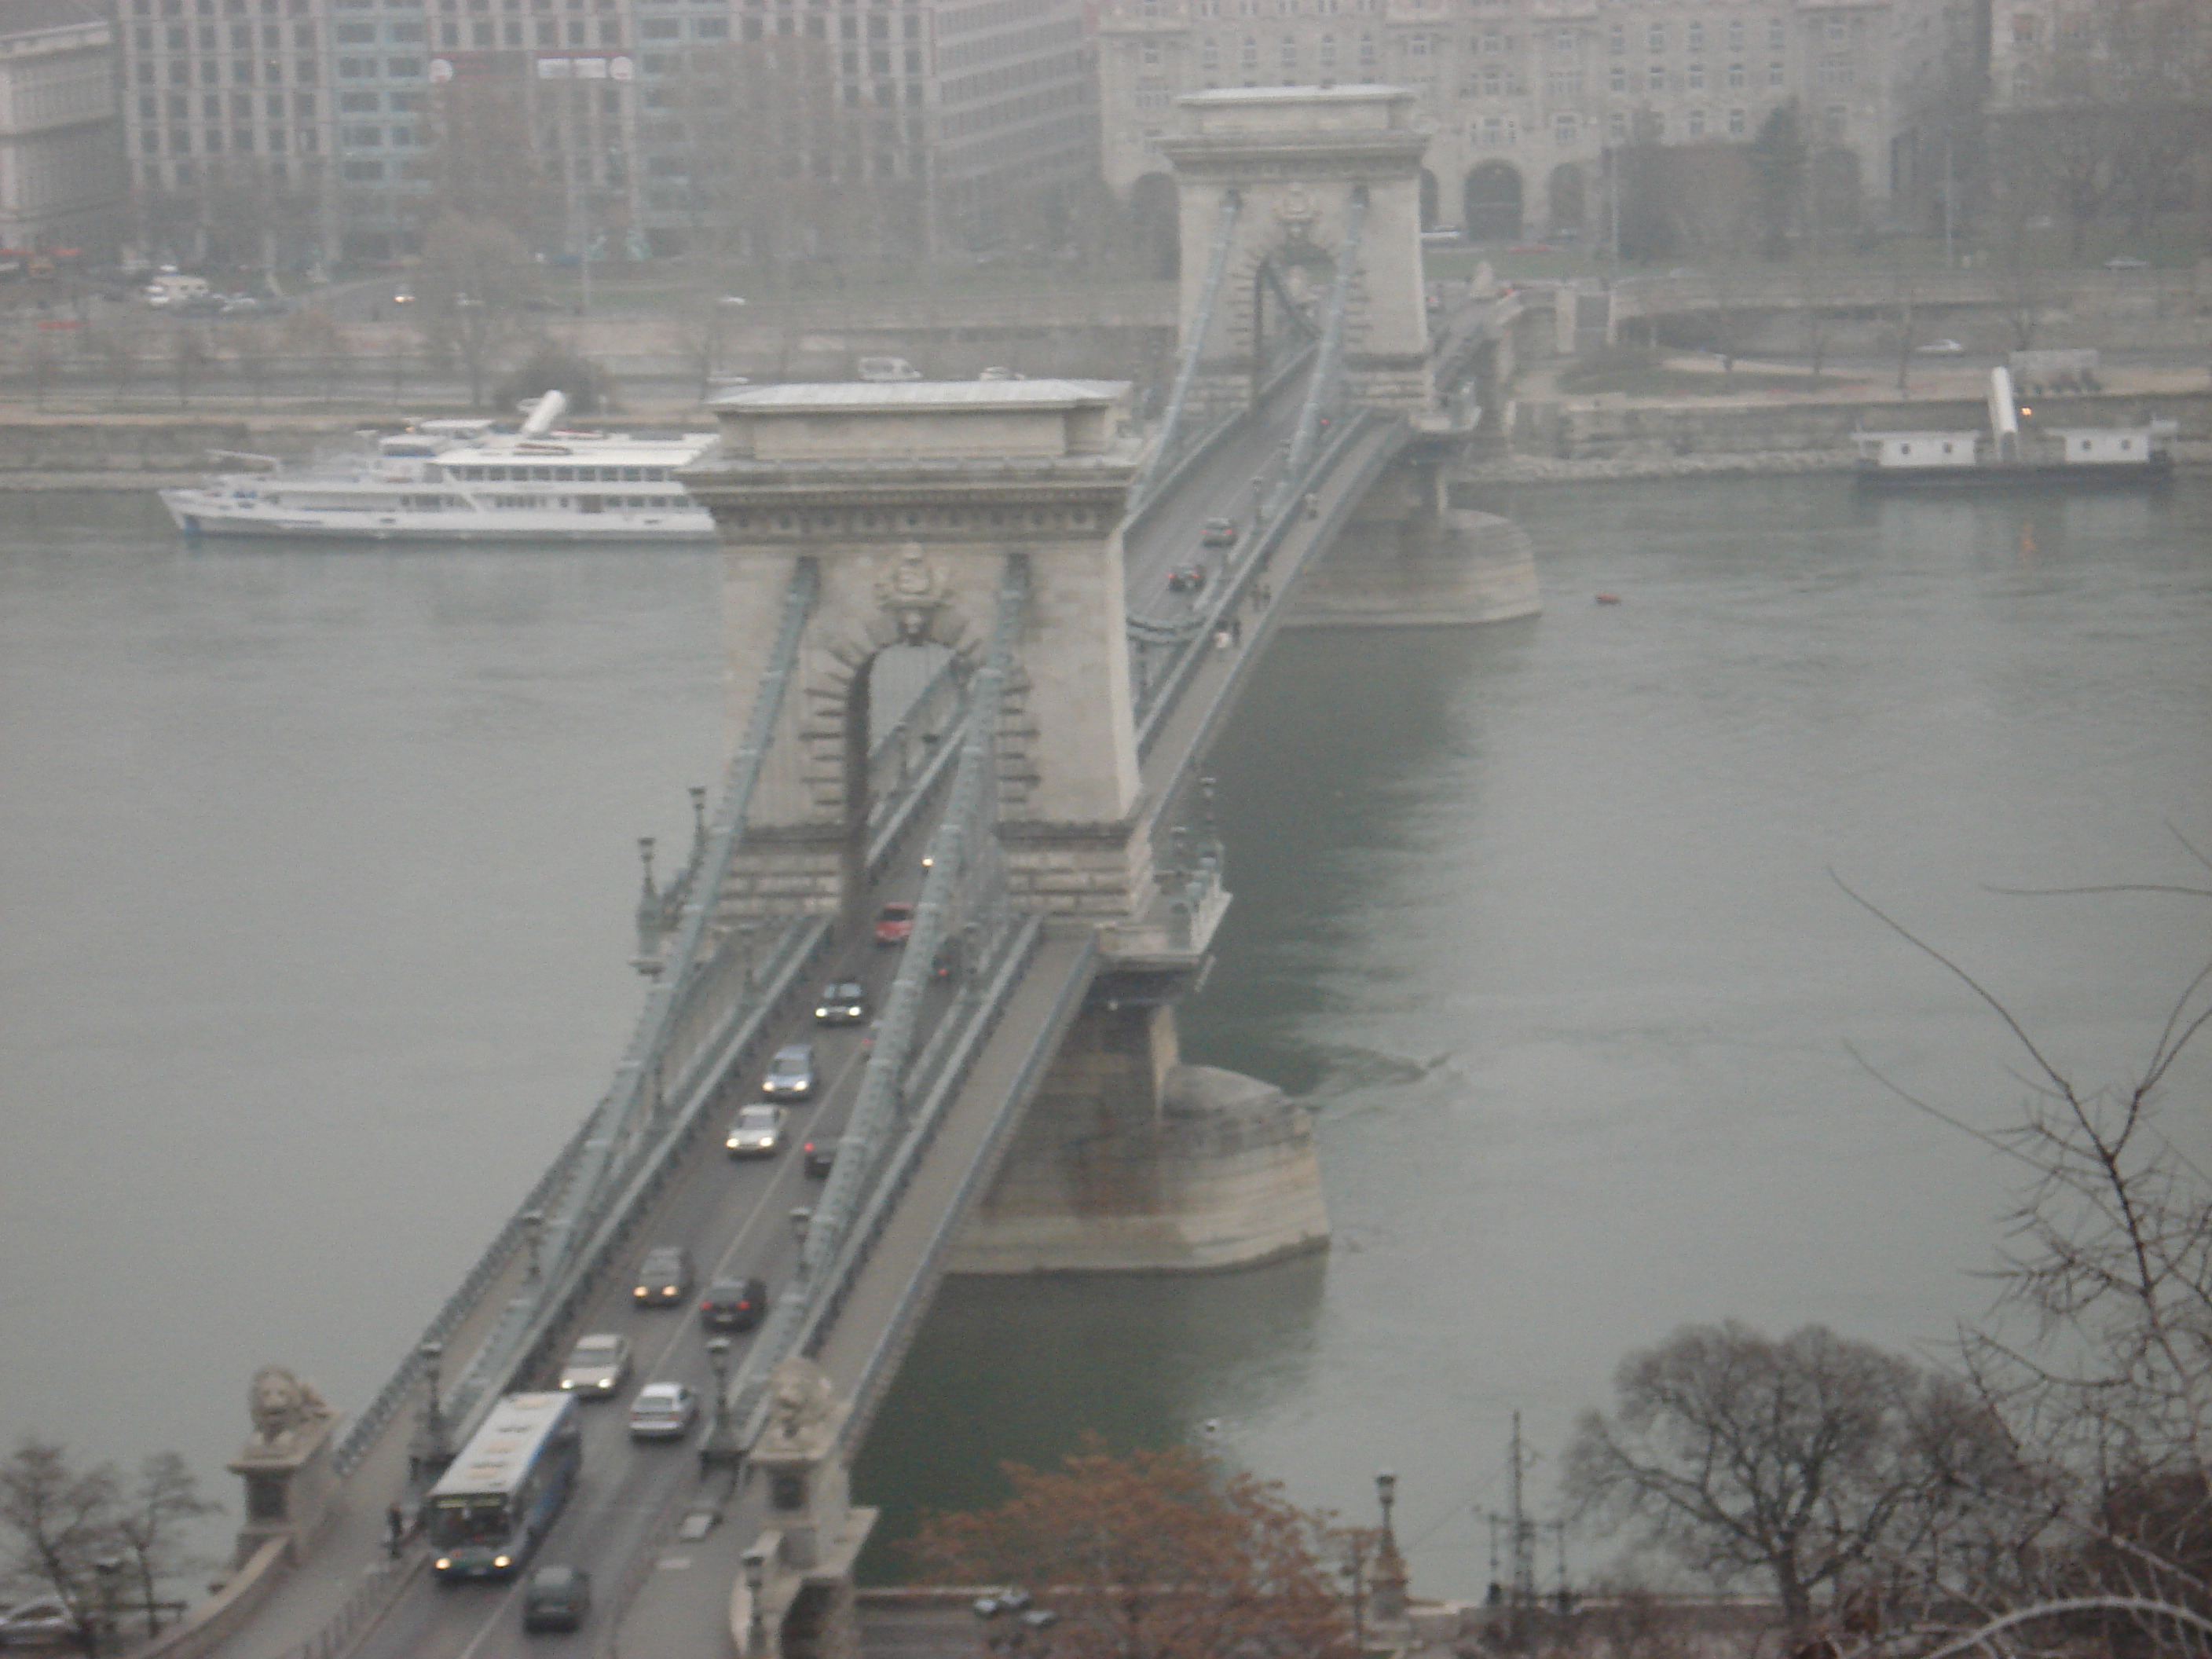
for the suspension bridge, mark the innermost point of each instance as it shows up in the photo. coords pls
(1090, 594)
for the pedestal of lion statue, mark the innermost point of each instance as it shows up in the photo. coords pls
(815, 1532)
(286, 1466)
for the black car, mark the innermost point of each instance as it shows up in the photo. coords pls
(556, 1598)
(1218, 532)
(845, 1003)
(734, 1304)
(664, 1277)
(818, 1157)
(1186, 578)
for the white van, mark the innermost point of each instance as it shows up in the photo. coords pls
(168, 290)
(881, 369)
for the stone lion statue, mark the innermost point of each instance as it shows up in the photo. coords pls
(281, 1403)
(801, 1398)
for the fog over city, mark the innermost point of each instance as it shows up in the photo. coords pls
(1422, 788)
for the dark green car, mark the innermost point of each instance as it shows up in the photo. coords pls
(556, 1598)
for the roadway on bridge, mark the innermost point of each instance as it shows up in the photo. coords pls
(735, 1217)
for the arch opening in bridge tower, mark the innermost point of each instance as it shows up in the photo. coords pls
(1431, 199)
(1493, 201)
(897, 705)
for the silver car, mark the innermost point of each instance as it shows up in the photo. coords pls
(759, 1133)
(662, 1411)
(597, 1366)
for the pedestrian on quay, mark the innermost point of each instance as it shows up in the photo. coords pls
(1236, 630)
(395, 1526)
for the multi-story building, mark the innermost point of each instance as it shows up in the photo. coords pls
(60, 185)
(1529, 99)
(309, 127)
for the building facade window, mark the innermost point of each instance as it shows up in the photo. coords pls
(1736, 124)
(1736, 78)
(1618, 81)
(1656, 79)
(1565, 129)
(1696, 124)
(1697, 79)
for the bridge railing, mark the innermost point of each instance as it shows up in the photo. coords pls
(898, 1332)
(1163, 455)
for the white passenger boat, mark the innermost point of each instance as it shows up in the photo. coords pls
(461, 481)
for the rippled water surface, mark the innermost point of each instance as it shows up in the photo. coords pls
(317, 870)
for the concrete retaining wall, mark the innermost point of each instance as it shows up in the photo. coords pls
(143, 445)
(215, 1620)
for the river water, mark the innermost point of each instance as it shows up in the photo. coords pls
(317, 870)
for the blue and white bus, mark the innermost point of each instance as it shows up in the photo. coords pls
(497, 1500)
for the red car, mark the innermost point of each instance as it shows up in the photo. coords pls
(894, 923)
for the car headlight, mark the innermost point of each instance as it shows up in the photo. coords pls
(821, 1013)
(566, 1383)
(606, 1382)
(499, 1561)
(443, 1563)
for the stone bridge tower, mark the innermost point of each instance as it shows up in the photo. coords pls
(909, 498)
(1294, 158)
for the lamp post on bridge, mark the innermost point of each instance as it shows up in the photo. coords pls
(755, 1566)
(720, 1445)
(1389, 1565)
(433, 1441)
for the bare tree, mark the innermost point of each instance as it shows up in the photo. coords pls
(2107, 1392)
(2116, 114)
(61, 1520)
(188, 361)
(315, 334)
(1805, 1459)
(148, 1523)
(118, 346)
(475, 278)
(255, 348)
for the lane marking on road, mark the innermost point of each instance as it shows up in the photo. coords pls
(497, 1613)
(779, 1185)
